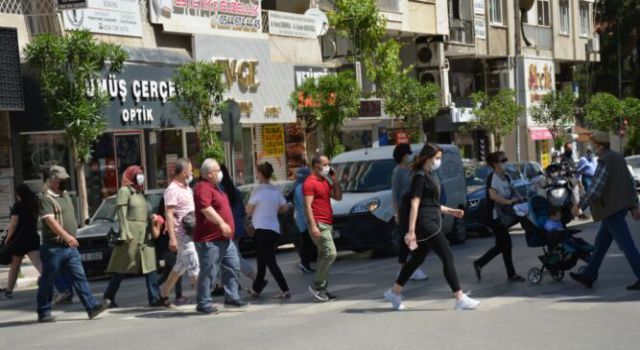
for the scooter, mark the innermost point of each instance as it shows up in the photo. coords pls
(559, 189)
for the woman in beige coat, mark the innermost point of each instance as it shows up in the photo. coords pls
(135, 251)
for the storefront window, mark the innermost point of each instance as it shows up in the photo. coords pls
(101, 174)
(41, 151)
(165, 153)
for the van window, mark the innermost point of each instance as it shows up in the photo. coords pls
(365, 176)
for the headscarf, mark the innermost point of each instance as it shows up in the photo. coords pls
(129, 177)
(302, 174)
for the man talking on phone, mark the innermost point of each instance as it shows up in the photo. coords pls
(318, 190)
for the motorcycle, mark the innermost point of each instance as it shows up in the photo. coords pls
(559, 188)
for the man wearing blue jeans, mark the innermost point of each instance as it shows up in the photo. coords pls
(611, 196)
(213, 237)
(59, 253)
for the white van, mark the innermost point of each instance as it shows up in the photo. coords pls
(363, 220)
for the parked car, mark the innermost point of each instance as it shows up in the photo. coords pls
(363, 220)
(94, 250)
(290, 233)
(524, 176)
(634, 164)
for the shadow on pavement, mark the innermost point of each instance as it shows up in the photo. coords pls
(381, 310)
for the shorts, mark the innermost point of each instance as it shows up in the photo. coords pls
(187, 257)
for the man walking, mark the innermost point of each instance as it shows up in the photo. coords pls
(213, 237)
(178, 200)
(611, 196)
(59, 248)
(318, 190)
(586, 169)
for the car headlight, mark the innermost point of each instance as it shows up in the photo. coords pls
(369, 205)
(473, 203)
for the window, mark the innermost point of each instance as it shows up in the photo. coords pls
(543, 13)
(495, 11)
(565, 22)
(585, 19)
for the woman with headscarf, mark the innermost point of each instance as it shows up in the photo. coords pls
(135, 251)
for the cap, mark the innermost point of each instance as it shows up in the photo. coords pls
(600, 137)
(58, 172)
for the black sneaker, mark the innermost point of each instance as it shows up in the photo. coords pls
(236, 303)
(584, 280)
(112, 304)
(99, 309)
(318, 294)
(635, 286)
(47, 319)
(478, 268)
(211, 310)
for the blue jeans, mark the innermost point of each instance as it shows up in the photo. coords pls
(613, 228)
(57, 261)
(586, 182)
(153, 292)
(212, 256)
(63, 285)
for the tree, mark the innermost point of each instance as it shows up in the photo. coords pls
(409, 99)
(199, 99)
(328, 101)
(556, 112)
(603, 112)
(497, 115)
(66, 64)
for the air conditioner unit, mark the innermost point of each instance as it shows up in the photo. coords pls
(439, 77)
(429, 54)
(593, 45)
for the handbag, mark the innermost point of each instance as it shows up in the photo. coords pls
(5, 257)
(113, 238)
(249, 229)
(507, 215)
(189, 223)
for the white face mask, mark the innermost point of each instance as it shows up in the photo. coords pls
(326, 170)
(140, 179)
(189, 179)
(220, 176)
(436, 164)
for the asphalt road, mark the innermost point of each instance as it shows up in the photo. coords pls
(552, 315)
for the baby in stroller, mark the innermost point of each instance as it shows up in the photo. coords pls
(544, 227)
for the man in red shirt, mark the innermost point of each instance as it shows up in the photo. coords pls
(213, 237)
(318, 190)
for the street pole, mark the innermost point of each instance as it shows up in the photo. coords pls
(517, 53)
(619, 82)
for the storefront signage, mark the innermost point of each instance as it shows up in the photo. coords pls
(539, 80)
(71, 4)
(241, 71)
(292, 24)
(201, 16)
(478, 7)
(272, 140)
(480, 27)
(111, 17)
(303, 73)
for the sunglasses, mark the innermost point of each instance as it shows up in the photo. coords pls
(504, 160)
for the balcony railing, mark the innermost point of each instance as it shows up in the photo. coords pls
(461, 31)
(540, 37)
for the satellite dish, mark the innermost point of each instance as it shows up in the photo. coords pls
(322, 22)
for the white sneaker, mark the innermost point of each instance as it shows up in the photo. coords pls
(466, 303)
(419, 275)
(395, 299)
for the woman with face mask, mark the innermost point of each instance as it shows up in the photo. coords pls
(135, 251)
(425, 229)
(500, 194)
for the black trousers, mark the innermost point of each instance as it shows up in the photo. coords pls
(440, 245)
(308, 251)
(502, 246)
(267, 244)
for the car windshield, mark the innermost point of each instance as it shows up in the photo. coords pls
(365, 176)
(634, 162)
(106, 211)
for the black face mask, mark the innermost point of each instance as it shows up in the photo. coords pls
(63, 185)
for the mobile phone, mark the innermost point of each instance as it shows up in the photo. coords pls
(332, 172)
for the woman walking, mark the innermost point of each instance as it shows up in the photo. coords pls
(265, 204)
(135, 252)
(422, 203)
(499, 194)
(22, 235)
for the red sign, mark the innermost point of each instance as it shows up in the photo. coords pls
(538, 134)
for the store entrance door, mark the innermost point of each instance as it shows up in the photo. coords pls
(128, 149)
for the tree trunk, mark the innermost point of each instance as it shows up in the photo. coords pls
(82, 190)
(498, 143)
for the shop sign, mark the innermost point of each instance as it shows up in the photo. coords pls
(201, 16)
(272, 140)
(241, 71)
(71, 4)
(540, 80)
(461, 115)
(292, 24)
(303, 73)
(480, 27)
(111, 17)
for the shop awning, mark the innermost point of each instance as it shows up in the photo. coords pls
(538, 134)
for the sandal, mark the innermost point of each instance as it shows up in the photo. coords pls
(164, 301)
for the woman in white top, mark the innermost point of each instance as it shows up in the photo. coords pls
(265, 204)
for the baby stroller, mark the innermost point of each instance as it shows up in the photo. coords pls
(561, 250)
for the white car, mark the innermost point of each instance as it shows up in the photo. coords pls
(633, 162)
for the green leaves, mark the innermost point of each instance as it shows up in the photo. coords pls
(603, 112)
(497, 115)
(409, 99)
(556, 112)
(200, 90)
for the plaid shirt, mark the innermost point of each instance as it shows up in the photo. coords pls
(597, 186)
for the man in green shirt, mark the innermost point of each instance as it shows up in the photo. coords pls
(59, 247)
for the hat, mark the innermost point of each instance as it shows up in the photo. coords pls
(600, 137)
(58, 172)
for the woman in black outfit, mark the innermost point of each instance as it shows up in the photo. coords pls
(425, 228)
(22, 235)
(499, 193)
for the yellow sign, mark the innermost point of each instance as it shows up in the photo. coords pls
(273, 139)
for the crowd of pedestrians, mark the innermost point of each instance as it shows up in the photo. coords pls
(197, 227)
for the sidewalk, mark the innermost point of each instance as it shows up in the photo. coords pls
(27, 280)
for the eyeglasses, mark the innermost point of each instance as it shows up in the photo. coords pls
(504, 160)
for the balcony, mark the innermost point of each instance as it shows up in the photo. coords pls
(540, 37)
(461, 31)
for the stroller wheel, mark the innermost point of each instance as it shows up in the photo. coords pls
(557, 275)
(535, 275)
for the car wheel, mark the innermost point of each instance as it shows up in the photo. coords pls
(391, 247)
(458, 234)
